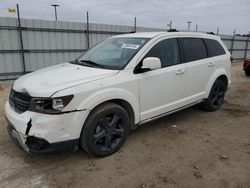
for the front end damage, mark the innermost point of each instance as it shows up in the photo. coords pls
(38, 133)
(35, 145)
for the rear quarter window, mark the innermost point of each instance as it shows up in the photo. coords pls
(193, 49)
(214, 48)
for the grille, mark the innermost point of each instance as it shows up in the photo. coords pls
(19, 101)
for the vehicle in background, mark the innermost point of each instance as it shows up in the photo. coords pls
(246, 65)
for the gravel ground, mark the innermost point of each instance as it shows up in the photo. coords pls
(191, 148)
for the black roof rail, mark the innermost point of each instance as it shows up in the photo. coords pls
(173, 30)
(211, 33)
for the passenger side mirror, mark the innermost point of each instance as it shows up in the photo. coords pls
(151, 63)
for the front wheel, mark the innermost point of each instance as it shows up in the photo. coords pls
(216, 96)
(105, 130)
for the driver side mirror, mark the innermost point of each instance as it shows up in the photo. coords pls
(151, 63)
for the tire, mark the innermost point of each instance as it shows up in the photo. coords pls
(105, 130)
(216, 96)
(247, 72)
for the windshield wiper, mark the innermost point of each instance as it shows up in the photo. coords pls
(92, 63)
(74, 61)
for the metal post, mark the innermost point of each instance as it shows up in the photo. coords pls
(170, 24)
(189, 23)
(55, 13)
(135, 24)
(196, 27)
(246, 48)
(87, 31)
(232, 44)
(55, 6)
(218, 29)
(21, 50)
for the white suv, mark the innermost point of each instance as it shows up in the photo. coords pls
(114, 87)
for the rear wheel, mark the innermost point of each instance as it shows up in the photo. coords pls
(247, 72)
(105, 130)
(216, 96)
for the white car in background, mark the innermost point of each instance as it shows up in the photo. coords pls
(116, 86)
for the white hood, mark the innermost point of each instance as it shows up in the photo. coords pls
(45, 82)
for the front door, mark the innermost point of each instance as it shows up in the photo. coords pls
(162, 90)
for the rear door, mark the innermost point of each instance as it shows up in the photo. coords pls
(217, 55)
(199, 69)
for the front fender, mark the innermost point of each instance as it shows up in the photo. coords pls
(110, 94)
(216, 74)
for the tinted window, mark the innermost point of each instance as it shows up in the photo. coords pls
(194, 49)
(167, 51)
(214, 48)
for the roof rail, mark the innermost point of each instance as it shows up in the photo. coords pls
(173, 30)
(211, 33)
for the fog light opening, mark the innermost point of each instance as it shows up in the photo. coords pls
(36, 144)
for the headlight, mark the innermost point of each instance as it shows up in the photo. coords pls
(49, 105)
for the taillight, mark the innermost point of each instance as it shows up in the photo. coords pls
(231, 59)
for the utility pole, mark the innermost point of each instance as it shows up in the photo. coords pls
(234, 32)
(218, 29)
(87, 31)
(135, 24)
(21, 39)
(169, 25)
(196, 27)
(55, 6)
(232, 43)
(189, 23)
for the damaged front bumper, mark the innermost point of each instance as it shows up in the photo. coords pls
(42, 133)
(18, 138)
(34, 145)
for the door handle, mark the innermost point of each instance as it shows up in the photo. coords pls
(211, 64)
(181, 71)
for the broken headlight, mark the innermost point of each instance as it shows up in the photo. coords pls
(49, 105)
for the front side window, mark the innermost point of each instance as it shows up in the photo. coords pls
(167, 51)
(194, 49)
(214, 48)
(113, 53)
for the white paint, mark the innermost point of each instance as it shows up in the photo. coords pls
(150, 93)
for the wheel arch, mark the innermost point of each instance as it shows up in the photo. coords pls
(224, 79)
(118, 96)
(220, 74)
(124, 104)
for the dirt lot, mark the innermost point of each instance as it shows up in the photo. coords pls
(192, 148)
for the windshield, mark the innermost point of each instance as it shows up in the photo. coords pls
(113, 53)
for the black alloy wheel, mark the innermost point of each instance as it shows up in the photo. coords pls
(106, 130)
(216, 96)
(109, 132)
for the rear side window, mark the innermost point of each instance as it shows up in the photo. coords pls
(214, 48)
(193, 49)
(167, 51)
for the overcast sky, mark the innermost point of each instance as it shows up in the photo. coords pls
(208, 14)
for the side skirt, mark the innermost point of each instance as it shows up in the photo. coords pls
(167, 113)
